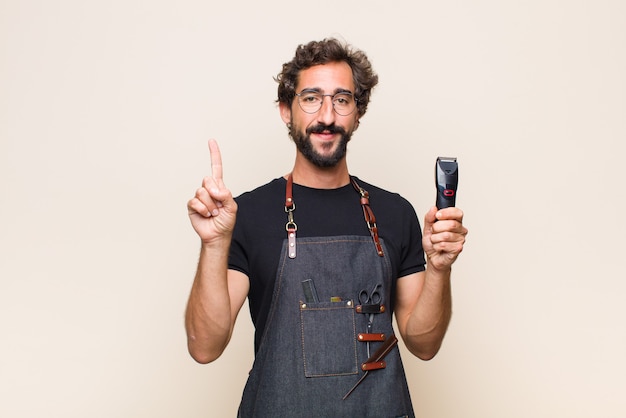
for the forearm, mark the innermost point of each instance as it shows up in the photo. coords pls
(208, 319)
(428, 321)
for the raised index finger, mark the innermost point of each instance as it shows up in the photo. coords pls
(216, 160)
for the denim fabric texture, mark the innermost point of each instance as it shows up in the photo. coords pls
(309, 356)
(327, 353)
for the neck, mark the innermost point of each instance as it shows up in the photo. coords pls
(309, 175)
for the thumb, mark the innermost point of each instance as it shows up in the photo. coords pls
(222, 197)
(430, 218)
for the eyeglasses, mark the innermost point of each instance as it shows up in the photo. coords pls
(310, 101)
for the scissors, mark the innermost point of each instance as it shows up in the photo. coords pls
(372, 298)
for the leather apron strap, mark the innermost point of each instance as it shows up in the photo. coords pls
(368, 214)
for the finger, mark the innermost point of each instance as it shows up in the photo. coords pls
(210, 184)
(215, 196)
(452, 213)
(447, 236)
(450, 248)
(216, 160)
(203, 195)
(449, 229)
(196, 206)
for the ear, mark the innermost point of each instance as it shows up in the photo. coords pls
(285, 112)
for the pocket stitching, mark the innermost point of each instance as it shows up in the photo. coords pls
(328, 306)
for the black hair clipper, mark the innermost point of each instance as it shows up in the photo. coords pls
(446, 179)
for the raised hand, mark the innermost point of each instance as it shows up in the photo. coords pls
(444, 236)
(213, 210)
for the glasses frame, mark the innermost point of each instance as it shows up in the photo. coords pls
(332, 100)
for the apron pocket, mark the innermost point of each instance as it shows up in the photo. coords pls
(328, 338)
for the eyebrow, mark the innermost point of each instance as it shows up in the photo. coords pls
(319, 90)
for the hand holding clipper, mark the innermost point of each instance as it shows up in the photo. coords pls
(446, 180)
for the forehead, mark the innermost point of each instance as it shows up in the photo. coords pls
(327, 77)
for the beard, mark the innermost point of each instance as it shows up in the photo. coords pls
(305, 146)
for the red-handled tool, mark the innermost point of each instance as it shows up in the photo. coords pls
(376, 361)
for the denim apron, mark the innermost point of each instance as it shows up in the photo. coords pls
(317, 337)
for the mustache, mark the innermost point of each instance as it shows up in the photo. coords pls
(321, 128)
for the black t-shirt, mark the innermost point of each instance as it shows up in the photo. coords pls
(260, 231)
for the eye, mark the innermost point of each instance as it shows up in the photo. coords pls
(310, 98)
(342, 99)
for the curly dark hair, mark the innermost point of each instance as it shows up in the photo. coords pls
(324, 52)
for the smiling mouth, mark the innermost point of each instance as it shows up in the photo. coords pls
(326, 132)
(332, 128)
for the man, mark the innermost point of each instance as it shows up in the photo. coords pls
(324, 259)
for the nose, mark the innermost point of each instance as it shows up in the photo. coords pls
(326, 113)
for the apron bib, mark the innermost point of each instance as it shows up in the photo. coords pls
(329, 314)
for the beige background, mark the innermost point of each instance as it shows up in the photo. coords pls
(105, 111)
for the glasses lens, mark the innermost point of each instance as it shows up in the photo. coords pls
(310, 101)
(344, 103)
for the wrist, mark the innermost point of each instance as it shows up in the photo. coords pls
(440, 271)
(216, 244)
